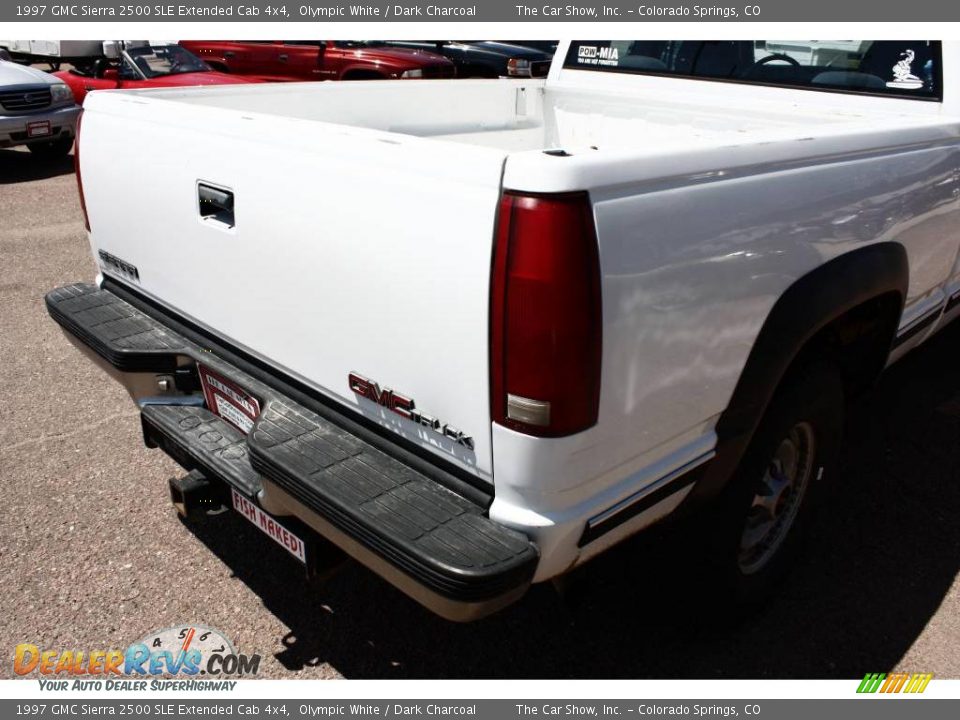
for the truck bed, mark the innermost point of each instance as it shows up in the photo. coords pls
(525, 115)
(365, 212)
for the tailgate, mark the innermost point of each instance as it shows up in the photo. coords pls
(349, 251)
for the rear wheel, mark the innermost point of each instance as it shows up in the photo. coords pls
(764, 512)
(52, 149)
(777, 499)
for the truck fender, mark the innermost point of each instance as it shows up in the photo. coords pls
(810, 304)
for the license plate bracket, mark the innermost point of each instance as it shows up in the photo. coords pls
(228, 400)
(39, 128)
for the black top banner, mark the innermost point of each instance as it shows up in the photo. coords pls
(485, 11)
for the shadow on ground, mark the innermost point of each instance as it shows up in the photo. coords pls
(884, 552)
(23, 166)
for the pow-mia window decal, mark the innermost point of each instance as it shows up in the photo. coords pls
(905, 68)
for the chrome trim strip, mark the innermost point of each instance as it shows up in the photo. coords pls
(650, 489)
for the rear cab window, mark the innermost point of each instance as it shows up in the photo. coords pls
(903, 68)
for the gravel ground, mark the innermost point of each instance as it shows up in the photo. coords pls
(93, 556)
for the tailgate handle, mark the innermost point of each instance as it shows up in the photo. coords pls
(215, 203)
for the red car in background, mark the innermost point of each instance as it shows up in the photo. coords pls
(143, 66)
(289, 60)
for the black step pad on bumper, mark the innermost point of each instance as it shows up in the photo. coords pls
(424, 529)
(442, 540)
(130, 340)
(199, 440)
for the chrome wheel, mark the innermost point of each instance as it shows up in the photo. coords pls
(777, 499)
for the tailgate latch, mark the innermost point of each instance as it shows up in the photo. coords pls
(215, 204)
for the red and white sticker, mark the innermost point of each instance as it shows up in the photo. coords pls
(228, 400)
(268, 526)
(40, 128)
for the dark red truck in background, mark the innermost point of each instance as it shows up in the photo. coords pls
(289, 60)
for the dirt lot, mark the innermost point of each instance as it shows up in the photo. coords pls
(93, 556)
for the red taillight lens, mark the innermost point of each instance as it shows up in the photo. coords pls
(76, 169)
(546, 323)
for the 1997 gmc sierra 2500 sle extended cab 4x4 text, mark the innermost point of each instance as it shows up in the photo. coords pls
(474, 334)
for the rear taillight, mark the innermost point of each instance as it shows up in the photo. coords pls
(546, 324)
(76, 168)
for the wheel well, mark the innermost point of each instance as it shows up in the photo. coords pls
(858, 341)
(847, 309)
(362, 75)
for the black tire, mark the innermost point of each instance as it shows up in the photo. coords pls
(52, 149)
(805, 414)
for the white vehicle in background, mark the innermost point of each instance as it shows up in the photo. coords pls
(36, 110)
(53, 52)
(476, 333)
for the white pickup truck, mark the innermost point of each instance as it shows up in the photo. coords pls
(476, 333)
